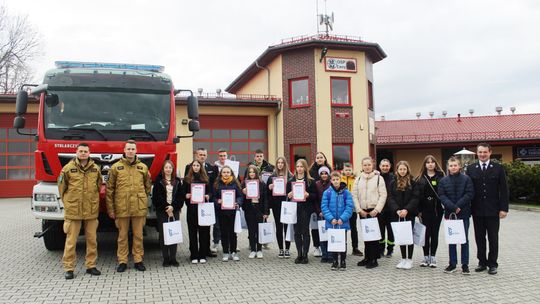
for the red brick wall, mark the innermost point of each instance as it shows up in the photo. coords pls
(342, 127)
(299, 124)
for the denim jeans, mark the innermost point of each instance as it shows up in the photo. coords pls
(452, 249)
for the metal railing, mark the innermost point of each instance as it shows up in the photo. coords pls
(457, 137)
(342, 38)
(225, 95)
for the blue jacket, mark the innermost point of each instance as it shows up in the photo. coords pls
(337, 204)
(456, 191)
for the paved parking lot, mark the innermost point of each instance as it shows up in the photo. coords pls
(31, 274)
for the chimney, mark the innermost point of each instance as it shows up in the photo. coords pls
(498, 110)
(444, 113)
(459, 117)
(513, 109)
(418, 114)
(383, 118)
(431, 114)
(471, 111)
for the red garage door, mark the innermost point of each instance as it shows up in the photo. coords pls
(16, 157)
(239, 135)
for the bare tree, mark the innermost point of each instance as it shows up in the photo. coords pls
(19, 46)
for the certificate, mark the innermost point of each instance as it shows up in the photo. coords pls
(252, 188)
(279, 186)
(228, 198)
(197, 193)
(298, 190)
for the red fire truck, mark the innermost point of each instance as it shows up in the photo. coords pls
(103, 105)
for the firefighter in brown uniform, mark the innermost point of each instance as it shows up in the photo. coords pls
(78, 185)
(128, 187)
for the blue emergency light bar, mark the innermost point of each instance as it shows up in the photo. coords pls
(102, 65)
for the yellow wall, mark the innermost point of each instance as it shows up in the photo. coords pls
(185, 147)
(359, 103)
(259, 85)
(415, 157)
(10, 108)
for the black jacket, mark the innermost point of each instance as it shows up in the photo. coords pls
(407, 199)
(456, 191)
(265, 167)
(276, 199)
(186, 188)
(159, 195)
(311, 188)
(429, 202)
(211, 170)
(262, 205)
(314, 171)
(388, 178)
(491, 189)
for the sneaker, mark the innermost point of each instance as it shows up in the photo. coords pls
(226, 257)
(363, 262)
(425, 262)
(450, 269)
(287, 254)
(259, 254)
(408, 264)
(202, 261)
(281, 254)
(317, 252)
(334, 266)
(252, 255)
(213, 248)
(357, 252)
(235, 256)
(194, 261)
(372, 264)
(401, 264)
(433, 262)
(343, 266)
(465, 270)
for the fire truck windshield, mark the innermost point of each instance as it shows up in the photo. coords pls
(103, 115)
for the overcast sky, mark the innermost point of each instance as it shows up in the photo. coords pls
(442, 55)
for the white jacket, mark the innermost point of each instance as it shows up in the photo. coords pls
(369, 191)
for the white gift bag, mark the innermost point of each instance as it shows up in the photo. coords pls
(323, 236)
(267, 233)
(172, 233)
(237, 222)
(370, 229)
(289, 234)
(454, 231)
(313, 221)
(336, 240)
(206, 214)
(402, 233)
(243, 219)
(419, 234)
(288, 212)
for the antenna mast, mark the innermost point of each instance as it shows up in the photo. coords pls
(327, 20)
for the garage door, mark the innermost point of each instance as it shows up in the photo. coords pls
(239, 135)
(16, 157)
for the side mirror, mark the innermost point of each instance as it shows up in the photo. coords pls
(51, 100)
(21, 103)
(193, 107)
(19, 122)
(194, 125)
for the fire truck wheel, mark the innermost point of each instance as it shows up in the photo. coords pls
(54, 238)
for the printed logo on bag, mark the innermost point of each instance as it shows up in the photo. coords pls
(203, 213)
(265, 232)
(451, 232)
(284, 210)
(368, 230)
(323, 229)
(171, 232)
(333, 240)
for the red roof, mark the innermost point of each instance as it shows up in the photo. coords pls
(465, 129)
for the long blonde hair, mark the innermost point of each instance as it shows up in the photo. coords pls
(285, 171)
(403, 182)
(304, 164)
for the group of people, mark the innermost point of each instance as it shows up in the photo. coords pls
(338, 198)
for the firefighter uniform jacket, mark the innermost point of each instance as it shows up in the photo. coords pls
(128, 188)
(79, 189)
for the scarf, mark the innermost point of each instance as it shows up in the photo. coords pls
(227, 181)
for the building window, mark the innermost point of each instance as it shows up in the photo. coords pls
(299, 151)
(298, 92)
(16, 155)
(370, 95)
(340, 89)
(342, 154)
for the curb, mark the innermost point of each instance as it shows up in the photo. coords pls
(524, 208)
